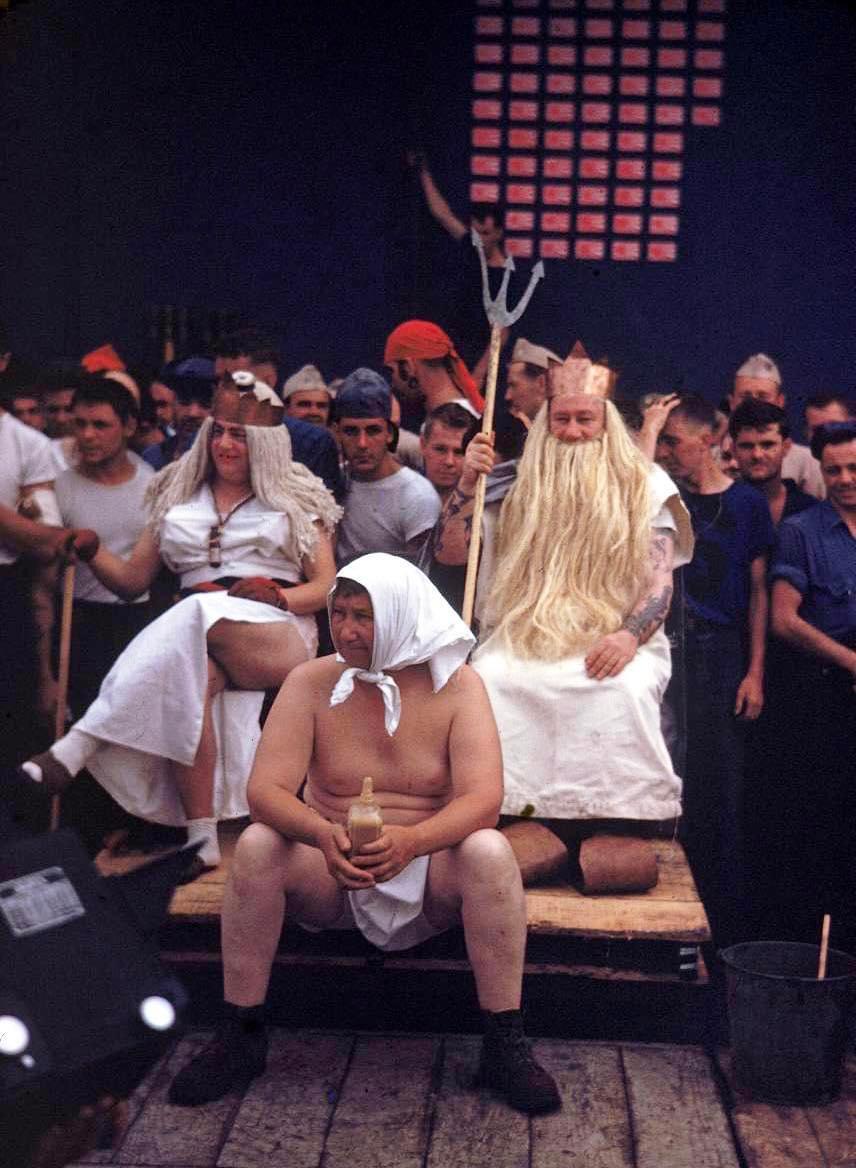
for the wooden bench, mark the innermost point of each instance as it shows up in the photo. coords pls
(655, 935)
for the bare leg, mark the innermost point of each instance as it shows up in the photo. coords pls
(195, 783)
(267, 871)
(478, 881)
(256, 656)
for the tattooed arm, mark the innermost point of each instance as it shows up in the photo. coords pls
(653, 607)
(452, 543)
(612, 652)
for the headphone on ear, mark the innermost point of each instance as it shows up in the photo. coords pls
(392, 445)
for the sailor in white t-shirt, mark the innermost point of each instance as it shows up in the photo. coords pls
(388, 507)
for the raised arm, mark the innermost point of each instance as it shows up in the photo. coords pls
(616, 650)
(654, 417)
(128, 578)
(437, 205)
(456, 518)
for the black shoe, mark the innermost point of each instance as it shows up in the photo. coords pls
(229, 1062)
(25, 806)
(509, 1069)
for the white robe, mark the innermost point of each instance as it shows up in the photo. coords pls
(151, 703)
(575, 748)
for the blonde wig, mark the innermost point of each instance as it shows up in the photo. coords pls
(276, 479)
(573, 544)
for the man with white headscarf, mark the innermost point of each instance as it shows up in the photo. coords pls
(396, 702)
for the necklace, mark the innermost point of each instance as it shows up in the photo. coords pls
(215, 558)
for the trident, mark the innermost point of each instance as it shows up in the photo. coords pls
(500, 317)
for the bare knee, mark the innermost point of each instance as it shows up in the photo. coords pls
(486, 851)
(259, 859)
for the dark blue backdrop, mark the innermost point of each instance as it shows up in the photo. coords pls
(250, 157)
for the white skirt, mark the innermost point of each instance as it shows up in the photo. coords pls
(151, 704)
(574, 748)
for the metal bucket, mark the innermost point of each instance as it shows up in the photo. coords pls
(788, 1028)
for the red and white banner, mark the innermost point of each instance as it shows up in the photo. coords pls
(580, 115)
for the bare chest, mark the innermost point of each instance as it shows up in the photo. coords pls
(351, 741)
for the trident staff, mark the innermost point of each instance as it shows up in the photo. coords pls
(500, 317)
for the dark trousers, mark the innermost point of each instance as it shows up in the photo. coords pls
(806, 828)
(20, 732)
(99, 633)
(709, 666)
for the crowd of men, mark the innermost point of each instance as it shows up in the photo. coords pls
(753, 742)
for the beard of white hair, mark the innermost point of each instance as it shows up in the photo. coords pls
(573, 547)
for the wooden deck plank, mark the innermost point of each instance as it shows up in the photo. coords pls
(677, 1115)
(593, 1128)
(835, 1124)
(671, 911)
(168, 1135)
(136, 1103)
(381, 1118)
(285, 1113)
(470, 1128)
(771, 1136)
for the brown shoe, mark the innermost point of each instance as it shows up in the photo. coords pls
(510, 1070)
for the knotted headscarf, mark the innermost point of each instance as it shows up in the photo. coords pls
(420, 340)
(413, 624)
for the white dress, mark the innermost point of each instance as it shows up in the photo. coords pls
(151, 703)
(574, 748)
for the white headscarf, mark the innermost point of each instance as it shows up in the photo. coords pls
(413, 624)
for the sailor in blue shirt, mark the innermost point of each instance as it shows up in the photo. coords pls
(814, 610)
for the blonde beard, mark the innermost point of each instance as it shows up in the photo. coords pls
(573, 546)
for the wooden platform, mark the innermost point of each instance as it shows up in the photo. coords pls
(656, 934)
(345, 1099)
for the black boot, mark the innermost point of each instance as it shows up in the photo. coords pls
(509, 1068)
(235, 1056)
(25, 806)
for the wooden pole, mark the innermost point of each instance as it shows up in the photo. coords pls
(824, 948)
(478, 505)
(62, 674)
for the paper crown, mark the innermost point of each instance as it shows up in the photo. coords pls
(579, 375)
(246, 401)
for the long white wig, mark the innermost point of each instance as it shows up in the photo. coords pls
(573, 544)
(276, 479)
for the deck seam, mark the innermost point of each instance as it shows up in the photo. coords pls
(628, 1103)
(726, 1098)
(345, 1071)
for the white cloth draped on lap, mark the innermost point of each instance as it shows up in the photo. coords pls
(151, 705)
(573, 748)
(390, 914)
(576, 748)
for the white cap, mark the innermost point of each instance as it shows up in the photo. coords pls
(761, 367)
(306, 378)
(533, 354)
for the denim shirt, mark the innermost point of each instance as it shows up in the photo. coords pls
(816, 554)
